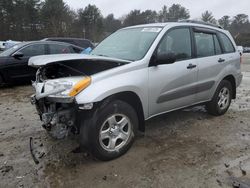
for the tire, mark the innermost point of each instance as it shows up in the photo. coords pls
(221, 100)
(110, 131)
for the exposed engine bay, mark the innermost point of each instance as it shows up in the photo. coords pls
(57, 110)
(70, 68)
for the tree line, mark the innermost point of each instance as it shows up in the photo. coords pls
(25, 20)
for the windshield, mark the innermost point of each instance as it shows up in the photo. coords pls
(11, 50)
(128, 44)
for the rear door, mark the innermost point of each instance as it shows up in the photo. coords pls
(173, 86)
(210, 60)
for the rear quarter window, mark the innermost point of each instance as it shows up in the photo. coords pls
(227, 43)
(59, 49)
(84, 43)
(75, 49)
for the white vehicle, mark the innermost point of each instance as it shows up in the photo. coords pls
(9, 43)
(133, 75)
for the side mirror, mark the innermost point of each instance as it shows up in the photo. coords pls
(164, 58)
(18, 55)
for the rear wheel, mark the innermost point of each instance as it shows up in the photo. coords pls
(110, 132)
(221, 100)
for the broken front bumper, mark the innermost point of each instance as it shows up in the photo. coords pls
(57, 114)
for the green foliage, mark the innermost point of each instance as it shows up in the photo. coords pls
(111, 24)
(163, 14)
(243, 39)
(208, 17)
(56, 18)
(90, 20)
(239, 27)
(177, 12)
(174, 13)
(133, 18)
(36, 19)
(19, 19)
(225, 22)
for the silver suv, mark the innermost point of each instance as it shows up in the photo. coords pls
(133, 75)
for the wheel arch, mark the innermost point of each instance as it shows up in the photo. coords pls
(134, 100)
(232, 80)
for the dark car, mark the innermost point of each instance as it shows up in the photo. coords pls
(84, 43)
(14, 61)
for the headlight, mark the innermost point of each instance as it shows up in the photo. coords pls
(66, 88)
(58, 88)
(79, 86)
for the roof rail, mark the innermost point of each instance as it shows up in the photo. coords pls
(200, 22)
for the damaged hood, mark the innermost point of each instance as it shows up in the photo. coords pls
(39, 61)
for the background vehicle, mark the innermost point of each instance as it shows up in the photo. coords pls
(84, 43)
(246, 50)
(2, 47)
(9, 43)
(133, 75)
(14, 61)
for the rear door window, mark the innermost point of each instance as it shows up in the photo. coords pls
(84, 44)
(76, 50)
(204, 44)
(59, 49)
(207, 44)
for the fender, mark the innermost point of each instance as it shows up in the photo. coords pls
(124, 82)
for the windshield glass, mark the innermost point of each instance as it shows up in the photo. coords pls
(128, 44)
(11, 50)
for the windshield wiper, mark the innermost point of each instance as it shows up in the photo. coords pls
(102, 55)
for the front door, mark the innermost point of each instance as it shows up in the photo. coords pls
(172, 86)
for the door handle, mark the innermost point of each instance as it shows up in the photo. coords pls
(191, 66)
(221, 60)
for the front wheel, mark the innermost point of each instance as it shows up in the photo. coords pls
(110, 132)
(221, 100)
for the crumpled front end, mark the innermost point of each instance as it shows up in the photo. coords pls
(55, 103)
(59, 79)
(59, 119)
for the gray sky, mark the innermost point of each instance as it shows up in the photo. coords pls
(196, 7)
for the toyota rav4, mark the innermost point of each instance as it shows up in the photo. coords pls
(133, 75)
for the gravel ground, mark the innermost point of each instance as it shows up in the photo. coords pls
(187, 148)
